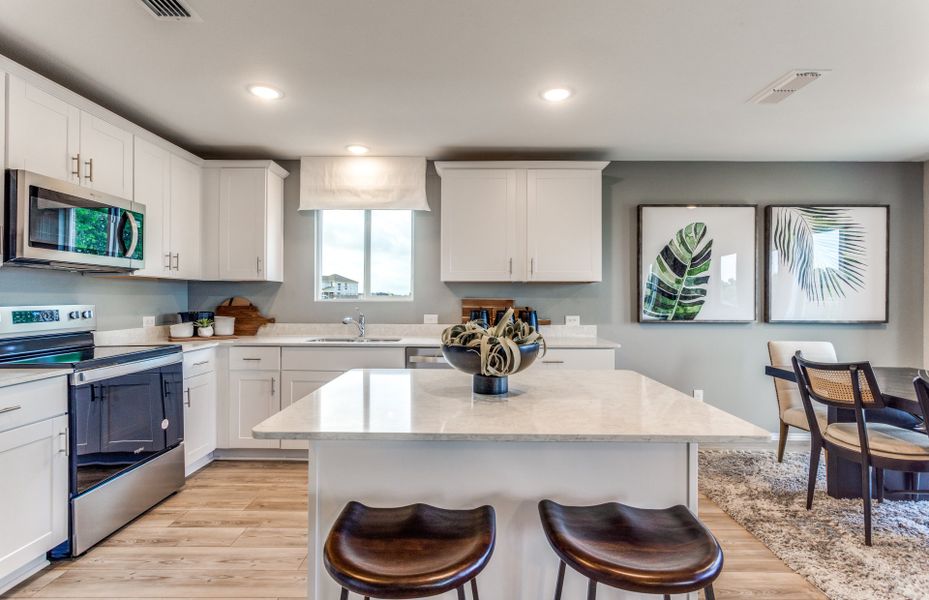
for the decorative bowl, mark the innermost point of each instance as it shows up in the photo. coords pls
(468, 360)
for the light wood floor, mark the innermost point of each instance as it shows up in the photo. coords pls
(238, 530)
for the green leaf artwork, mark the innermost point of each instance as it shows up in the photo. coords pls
(676, 287)
(823, 248)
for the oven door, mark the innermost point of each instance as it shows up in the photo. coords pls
(57, 223)
(122, 421)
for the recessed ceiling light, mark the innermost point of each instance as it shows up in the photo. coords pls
(265, 92)
(557, 94)
(357, 149)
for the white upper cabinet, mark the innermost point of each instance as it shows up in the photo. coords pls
(169, 187)
(153, 189)
(106, 157)
(51, 136)
(481, 229)
(521, 221)
(244, 233)
(43, 132)
(184, 223)
(563, 224)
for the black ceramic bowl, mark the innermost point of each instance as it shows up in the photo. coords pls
(195, 315)
(468, 360)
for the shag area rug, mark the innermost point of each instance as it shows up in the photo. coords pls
(826, 544)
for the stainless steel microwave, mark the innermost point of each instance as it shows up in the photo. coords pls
(61, 225)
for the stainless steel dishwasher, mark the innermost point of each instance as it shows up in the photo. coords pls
(426, 358)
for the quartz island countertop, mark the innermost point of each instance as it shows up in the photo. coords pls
(434, 405)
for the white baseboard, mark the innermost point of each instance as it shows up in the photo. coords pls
(260, 454)
(796, 440)
(23, 573)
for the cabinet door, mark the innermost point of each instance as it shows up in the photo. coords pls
(184, 217)
(480, 226)
(199, 417)
(242, 224)
(34, 502)
(254, 396)
(563, 223)
(297, 384)
(43, 132)
(152, 183)
(106, 157)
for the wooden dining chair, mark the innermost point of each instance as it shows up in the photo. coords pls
(789, 405)
(852, 386)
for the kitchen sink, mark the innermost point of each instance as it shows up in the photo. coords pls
(354, 340)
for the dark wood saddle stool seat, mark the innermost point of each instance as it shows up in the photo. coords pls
(411, 551)
(663, 551)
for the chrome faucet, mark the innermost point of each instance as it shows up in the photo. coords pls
(360, 323)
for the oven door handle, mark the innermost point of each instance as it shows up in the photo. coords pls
(91, 375)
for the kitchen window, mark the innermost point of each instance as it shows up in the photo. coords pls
(364, 255)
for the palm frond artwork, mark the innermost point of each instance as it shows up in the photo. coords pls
(676, 285)
(823, 248)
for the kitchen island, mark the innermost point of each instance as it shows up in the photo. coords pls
(395, 437)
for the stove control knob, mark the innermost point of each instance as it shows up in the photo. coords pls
(87, 314)
(74, 314)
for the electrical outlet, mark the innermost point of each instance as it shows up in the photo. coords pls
(430, 319)
(148, 321)
(572, 320)
(698, 395)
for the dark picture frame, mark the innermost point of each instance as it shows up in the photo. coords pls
(773, 289)
(642, 282)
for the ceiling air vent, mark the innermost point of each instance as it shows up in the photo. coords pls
(170, 10)
(786, 86)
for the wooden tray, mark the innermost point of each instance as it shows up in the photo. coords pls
(203, 339)
(248, 320)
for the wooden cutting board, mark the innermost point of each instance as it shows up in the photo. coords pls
(248, 319)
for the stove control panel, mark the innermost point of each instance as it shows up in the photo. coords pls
(25, 320)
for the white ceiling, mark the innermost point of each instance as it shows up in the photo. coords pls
(655, 79)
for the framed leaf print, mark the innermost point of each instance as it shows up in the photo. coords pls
(697, 263)
(827, 264)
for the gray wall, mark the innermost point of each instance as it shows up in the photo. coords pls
(121, 302)
(724, 360)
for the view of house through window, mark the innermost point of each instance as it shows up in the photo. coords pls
(364, 254)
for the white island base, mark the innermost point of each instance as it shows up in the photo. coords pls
(510, 476)
(397, 437)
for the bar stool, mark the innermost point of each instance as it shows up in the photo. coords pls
(411, 551)
(665, 551)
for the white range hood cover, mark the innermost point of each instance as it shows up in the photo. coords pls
(357, 182)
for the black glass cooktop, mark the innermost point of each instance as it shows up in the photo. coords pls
(75, 351)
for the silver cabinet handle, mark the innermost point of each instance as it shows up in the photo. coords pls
(511, 265)
(177, 261)
(63, 436)
(258, 264)
(7, 409)
(427, 359)
(77, 166)
(251, 359)
(272, 386)
(90, 174)
(187, 393)
(168, 260)
(202, 362)
(531, 266)
(552, 362)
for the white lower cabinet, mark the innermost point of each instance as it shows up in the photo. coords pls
(578, 358)
(199, 420)
(296, 385)
(253, 397)
(34, 502)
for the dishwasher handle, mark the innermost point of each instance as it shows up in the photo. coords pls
(421, 359)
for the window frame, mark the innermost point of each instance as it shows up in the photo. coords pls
(317, 291)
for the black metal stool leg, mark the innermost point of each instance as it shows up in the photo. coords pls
(461, 595)
(560, 583)
(708, 592)
(474, 589)
(668, 596)
(344, 594)
(591, 590)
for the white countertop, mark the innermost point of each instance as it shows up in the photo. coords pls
(11, 376)
(542, 405)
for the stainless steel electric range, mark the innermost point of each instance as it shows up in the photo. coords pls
(125, 413)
